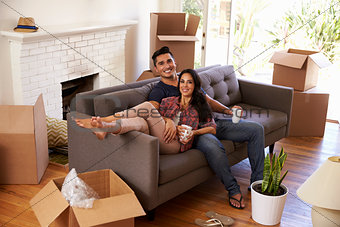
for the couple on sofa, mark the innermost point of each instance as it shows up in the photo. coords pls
(182, 100)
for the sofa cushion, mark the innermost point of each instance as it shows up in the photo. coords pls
(172, 167)
(270, 119)
(221, 84)
(110, 103)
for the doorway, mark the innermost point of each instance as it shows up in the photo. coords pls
(214, 31)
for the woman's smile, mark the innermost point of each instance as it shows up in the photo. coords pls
(186, 85)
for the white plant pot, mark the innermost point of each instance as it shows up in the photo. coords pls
(267, 210)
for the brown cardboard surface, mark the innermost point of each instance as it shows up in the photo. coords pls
(303, 52)
(171, 23)
(23, 143)
(192, 25)
(309, 112)
(168, 29)
(108, 210)
(41, 140)
(290, 60)
(182, 60)
(147, 74)
(18, 159)
(14, 121)
(48, 204)
(117, 205)
(297, 68)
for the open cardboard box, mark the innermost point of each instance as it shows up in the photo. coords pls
(117, 205)
(309, 112)
(23, 143)
(168, 29)
(297, 68)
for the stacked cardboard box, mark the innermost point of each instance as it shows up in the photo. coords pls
(169, 29)
(23, 143)
(299, 69)
(117, 205)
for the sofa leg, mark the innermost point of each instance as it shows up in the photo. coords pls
(271, 148)
(150, 215)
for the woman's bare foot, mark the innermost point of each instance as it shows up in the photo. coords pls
(102, 128)
(96, 122)
(100, 135)
(84, 123)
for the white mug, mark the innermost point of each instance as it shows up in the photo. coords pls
(237, 114)
(187, 132)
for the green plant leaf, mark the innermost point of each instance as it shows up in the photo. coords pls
(284, 175)
(272, 172)
(276, 178)
(266, 173)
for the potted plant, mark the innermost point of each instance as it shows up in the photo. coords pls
(268, 196)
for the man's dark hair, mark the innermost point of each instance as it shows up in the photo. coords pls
(163, 50)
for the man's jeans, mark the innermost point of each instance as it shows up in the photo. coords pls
(214, 152)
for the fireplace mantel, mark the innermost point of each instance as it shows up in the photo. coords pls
(42, 60)
(48, 32)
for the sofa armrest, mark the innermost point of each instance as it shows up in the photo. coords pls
(134, 156)
(267, 96)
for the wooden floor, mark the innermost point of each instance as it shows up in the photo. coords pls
(305, 155)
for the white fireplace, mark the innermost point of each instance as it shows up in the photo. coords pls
(42, 60)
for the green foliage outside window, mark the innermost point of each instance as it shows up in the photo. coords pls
(312, 25)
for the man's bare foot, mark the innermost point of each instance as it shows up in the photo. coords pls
(237, 201)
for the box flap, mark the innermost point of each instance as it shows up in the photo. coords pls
(40, 134)
(177, 38)
(171, 23)
(192, 24)
(288, 59)
(48, 204)
(109, 209)
(321, 60)
(303, 52)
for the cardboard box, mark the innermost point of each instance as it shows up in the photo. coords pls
(309, 112)
(147, 74)
(297, 68)
(168, 29)
(117, 205)
(23, 143)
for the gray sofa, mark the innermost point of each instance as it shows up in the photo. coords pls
(135, 156)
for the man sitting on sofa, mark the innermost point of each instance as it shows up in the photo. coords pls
(211, 147)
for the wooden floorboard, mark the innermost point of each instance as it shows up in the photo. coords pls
(305, 155)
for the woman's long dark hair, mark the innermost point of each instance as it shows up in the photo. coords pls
(198, 100)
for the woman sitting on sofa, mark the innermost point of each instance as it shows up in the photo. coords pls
(190, 108)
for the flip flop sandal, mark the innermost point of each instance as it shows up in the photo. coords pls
(239, 201)
(224, 219)
(211, 222)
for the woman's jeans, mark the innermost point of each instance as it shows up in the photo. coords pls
(244, 131)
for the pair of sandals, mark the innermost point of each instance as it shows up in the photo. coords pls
(216, 219)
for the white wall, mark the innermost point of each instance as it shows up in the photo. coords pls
(48, 12)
